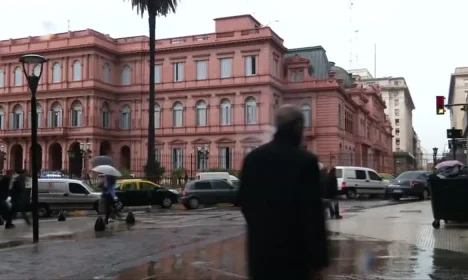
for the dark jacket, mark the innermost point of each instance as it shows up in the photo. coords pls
(4, 188)
(18, 190)
(331, 186)
(280, 197)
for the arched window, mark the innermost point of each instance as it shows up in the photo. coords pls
(178, 115)
(39, 116)
(307, 113)
(107, 73)
(18, 76)
(37, 71)
(105, 115)
(250, 111)
(126, 75)
(2, 78)
(225, 112)
(56, 73)
(17, 117)
(200, 113)
(76, 115)
(54, 116)
(157, 116)
(76, 71)
(126, 117)
(2, 118)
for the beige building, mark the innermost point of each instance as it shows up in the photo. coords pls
(458, 94)
(400, 106)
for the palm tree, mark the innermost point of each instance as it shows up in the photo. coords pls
(154, 8)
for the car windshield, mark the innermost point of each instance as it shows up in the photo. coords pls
(408, 175)
(88, 187)
(386, 176)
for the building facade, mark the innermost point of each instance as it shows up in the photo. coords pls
(458, 94)
(400, 106)
(216, 95)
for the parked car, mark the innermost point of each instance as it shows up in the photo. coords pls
(137, 192)
(208, 192)
(410, 183)
(231, 179)
(354, 180)
(56, 194)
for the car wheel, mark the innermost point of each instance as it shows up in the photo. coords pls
(166, 202)
(193, 203)
(396, 197)
(351, 193)
(424, 195)
(43, 210)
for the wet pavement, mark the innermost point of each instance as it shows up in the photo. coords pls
(352, 259)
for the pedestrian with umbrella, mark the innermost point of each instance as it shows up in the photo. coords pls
(108, 189)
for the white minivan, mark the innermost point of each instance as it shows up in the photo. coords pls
(56, 194)
(354, 180)
(233, 180)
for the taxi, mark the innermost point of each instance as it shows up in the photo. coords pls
(138, 192)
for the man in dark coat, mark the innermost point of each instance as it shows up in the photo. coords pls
(280, 196)
(4, 193)
(18, 196)
(331, 191)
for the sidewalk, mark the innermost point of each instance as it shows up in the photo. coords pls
(72, 228)
(408, 223)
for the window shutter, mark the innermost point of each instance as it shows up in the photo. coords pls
(157, 74)
(39, 119)
(59, 122)
(71, 118)
(181, 71)
(21, 118)
(11, 120)
(29, 120)
(49, 119)
(248, 63)
(80, 118)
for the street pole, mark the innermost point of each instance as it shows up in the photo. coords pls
(454, 148)
(33, 82)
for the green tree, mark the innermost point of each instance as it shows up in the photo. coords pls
(153, 8)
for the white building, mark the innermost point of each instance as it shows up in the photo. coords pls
(399, 109)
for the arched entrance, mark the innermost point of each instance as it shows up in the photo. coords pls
(38, 159)
(76, 160)
(125, 158)
(16, 157)
(55, 157)
(105, 148)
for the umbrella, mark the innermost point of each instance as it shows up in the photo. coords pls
(107, 170)
(102, 160)
(448, 163)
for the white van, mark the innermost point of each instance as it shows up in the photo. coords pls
(56, 194)
(233, 180)
(354, 180)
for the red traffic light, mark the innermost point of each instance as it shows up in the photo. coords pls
(440, 103)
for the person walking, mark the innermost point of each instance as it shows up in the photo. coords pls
(331, 191)
(18, 194)
(4, 194)
(109, 197)
(280, 195)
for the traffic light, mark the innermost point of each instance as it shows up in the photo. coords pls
(440, 101)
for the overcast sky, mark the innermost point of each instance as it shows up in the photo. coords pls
(422, 41)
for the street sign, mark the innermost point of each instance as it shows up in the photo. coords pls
(454, 133)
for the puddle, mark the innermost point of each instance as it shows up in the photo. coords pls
(350, 259)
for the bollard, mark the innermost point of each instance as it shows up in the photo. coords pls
(100, 225)
(1, 221)
(130, 219)
(61, 216)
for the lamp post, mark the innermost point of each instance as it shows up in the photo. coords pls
(434, 155)
(3, 154)
(33, 79)
(203, 154)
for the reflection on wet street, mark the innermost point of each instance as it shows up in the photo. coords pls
(351, 259)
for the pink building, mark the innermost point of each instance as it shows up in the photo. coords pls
(216, 93)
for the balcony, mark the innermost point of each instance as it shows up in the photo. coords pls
(26, 132)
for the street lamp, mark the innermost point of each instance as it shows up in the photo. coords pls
(434, 155)
(33, 79)
(203, 154)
